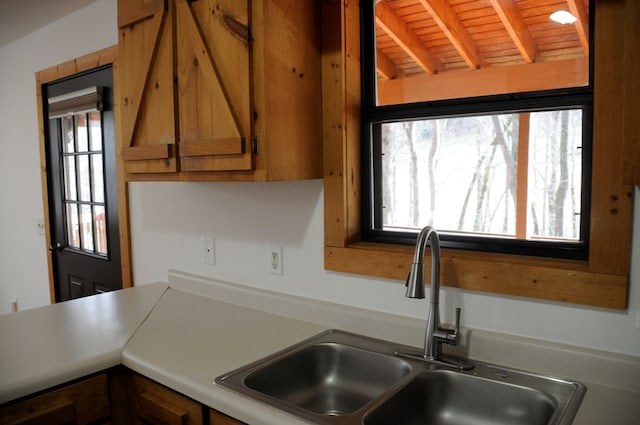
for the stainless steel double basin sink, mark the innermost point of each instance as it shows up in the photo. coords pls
(342, 378)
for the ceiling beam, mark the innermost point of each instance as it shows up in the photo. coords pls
(449, 22)
(408, 41)
(385, 66)
(484, 82)
(517, 29)
(577, 9)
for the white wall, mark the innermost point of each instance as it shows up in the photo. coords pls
(23, 267)
(168, 220)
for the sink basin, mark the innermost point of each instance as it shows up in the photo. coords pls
(328, 378)
(342, 378)
(448, 398)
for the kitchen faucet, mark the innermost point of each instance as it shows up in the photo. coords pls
(434, 336)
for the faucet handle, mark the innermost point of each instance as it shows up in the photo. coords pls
(457, 329)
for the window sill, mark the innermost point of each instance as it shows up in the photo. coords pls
(551, 280)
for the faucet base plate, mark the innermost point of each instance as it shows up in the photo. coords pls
(448, 361)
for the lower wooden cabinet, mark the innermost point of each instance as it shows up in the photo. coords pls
(82, 402)
(156, 404)
(218, 418)
(117, 397)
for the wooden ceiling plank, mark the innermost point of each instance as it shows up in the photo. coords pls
(387, 19)
(517, 29)
(450, 24)
(577, 9)
(385, 66)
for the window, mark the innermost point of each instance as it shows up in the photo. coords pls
(477, 120)
(82, 164)
(601, 280)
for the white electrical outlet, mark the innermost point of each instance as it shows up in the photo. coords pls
(209, 250)
(274, 260)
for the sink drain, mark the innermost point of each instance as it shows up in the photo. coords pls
(333, 412)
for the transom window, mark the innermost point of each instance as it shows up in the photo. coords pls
(477, 120)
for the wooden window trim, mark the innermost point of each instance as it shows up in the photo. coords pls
(108, 55)
(601, 281)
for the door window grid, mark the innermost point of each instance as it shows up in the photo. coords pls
(82, 161)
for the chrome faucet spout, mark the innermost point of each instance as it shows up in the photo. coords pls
(435, 335)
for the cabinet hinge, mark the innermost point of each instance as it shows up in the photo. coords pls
(254, 144)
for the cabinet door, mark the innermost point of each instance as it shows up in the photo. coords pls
(83, 402)
(214, 84)
(156, 404)
(217, 418)
(145, 86)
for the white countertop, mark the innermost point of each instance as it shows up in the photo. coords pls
(201, 328)
(50, 345)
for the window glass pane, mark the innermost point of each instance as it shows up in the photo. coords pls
(555, 159)
(97, 178)
(86, 221)
(95, 131)
(84, 178)
(460, 174)
(69, 164)
(427, 51)
(81, 132)
(100, 226)
(73, 226)
(67, 134)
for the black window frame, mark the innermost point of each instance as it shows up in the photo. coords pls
(372, 115)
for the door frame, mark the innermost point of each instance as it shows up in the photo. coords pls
(87, 62)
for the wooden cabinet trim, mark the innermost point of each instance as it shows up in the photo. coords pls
(130, 11)
(228, 146)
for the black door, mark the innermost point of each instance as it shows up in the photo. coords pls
(82, 183)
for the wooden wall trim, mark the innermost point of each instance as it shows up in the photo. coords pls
(108, 55)
(601, 281)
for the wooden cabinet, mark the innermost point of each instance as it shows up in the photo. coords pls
(82, 402)
(218, 418)
(156, 404)
(219, 89)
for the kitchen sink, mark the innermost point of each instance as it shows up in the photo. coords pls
(448, 398)
(328, 378)
(342, 378)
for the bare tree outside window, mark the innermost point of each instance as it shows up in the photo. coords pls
(461, 174)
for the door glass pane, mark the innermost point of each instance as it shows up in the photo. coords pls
(70, 191)
(67, 135)
(100, 226)
(84, 179)
(81, 132)
(84, 183)
(97, 178)
(73, 228)
(95, 131)
(86, 221)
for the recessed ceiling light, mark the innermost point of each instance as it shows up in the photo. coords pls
(562, 17)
